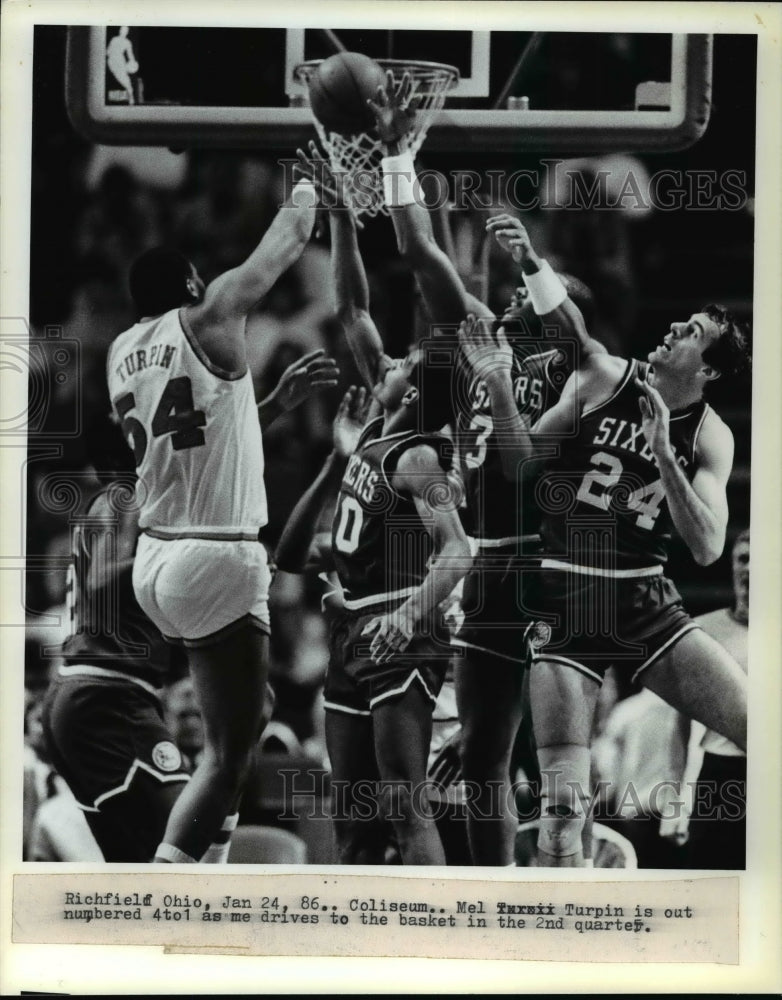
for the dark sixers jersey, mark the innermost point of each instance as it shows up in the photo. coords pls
(493, 508)
(381, 546)
(108, 629)
(602, 498)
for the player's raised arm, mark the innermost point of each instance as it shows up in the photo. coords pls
(235, 292)
(446, 298)
(350, 278)
(699, 509)
(420, 474)
(549, 295)
(218, 320)
(490, 357)
(297, 537)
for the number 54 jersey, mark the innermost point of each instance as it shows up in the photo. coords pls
(194, 431)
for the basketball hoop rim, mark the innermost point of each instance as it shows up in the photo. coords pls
(413, 66)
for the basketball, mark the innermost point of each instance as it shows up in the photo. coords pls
(339, 91)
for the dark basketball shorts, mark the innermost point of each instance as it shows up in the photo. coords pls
(626, 621)
(355, 685)
(497, 600)
(102, 733)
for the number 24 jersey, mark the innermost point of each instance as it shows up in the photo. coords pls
(605, 482)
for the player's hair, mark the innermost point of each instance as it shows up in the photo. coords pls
(158, 281)
(106, 448)
(729, 354)
(432, 375)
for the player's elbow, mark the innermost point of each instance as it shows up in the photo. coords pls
(707, 555)
(707, 551)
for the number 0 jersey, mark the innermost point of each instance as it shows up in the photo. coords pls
(194, 431)
(380, 544)
(498, 509)
(602, 498)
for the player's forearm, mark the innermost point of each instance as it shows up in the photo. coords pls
(269, 410)
(296, 540)
(287, 236)
(510, 427)
(236, 291)
(447, 569)
(350, 277)
(442, 288)
(352, 291)
(701, 528)
(555, 308)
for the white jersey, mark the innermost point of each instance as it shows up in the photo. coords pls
(194, 430)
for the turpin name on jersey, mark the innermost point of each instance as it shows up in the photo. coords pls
(158, 356)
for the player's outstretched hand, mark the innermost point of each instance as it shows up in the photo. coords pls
(310, 374)
(330, 186)
(349, 421)
(655, 417)
(392, 634)
(511, 235)
(315, 168)
(488, 354)
(394, 108)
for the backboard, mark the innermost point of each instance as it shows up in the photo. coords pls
(517, 91)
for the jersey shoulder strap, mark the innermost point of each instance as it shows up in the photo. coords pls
(442, 445)
(370, 431)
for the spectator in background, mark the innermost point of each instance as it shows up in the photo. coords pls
(120, 221)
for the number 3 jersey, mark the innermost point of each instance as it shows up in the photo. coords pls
(499, 510)
(194, 430)
(602, 498)
(381, 546)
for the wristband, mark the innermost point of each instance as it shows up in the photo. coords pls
(304, 194)
(398, 180)
(546, 291)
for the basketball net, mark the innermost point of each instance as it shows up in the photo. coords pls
(356, 158)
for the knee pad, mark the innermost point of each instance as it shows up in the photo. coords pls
(560, 831)
(564, 797)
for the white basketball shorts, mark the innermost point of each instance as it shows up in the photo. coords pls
(198, 590)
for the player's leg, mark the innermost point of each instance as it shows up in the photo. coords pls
(129, 827)
(229, 680)
(563, 702)
(488, 692)
(700, 678)
(109, 742)
(403, 732)
(361, 835)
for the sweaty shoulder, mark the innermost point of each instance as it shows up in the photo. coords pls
(416, 466)
(598, 378)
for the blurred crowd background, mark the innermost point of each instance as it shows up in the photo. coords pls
(94, 209)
